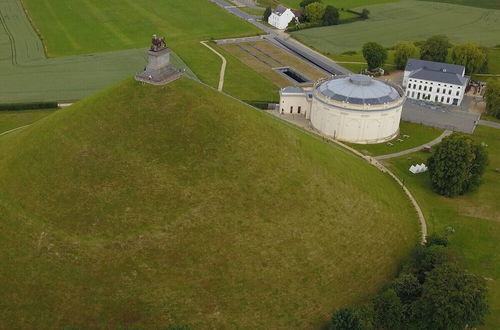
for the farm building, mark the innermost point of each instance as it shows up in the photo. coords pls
(280, 17)
(355, 108)
(434, 81)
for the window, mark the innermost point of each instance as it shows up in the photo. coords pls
(436, 99)
(449, 92)
(448, 100)
(438, 90)
(430, 89)
(291, 109)
(413, 94)
(444, 91)
(458, 93)
(418, 96)
(298, 110)
(442, 98)
(419, 87)
(425, 88)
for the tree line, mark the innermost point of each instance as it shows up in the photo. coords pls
(436, 48)
(433, 291)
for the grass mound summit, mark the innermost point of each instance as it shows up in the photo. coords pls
(168, 206)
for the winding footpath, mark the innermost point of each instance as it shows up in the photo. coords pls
(412, 150)
(223, 66)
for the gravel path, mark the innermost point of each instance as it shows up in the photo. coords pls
(412, 150)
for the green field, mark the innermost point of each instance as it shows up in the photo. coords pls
(407, 20)
(28, 76)
(150, 207)
(491, 4)
(14, 119)
(474, 216)
(340, 3)
(84, 27)
(418, 135)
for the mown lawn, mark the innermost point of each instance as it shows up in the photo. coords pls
(474, 216)
(407, 20)
(13, 119)
(152, 207)
(418, 135)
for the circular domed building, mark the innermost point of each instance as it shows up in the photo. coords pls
(355, 108)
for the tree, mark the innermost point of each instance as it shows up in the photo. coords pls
(472, 56)
(407, 287)
(364, 13)
(331, 16)
(305, 3)
(374, 54)
(435, 239)
(402, 52)
(435, 48)
(388, 310)
(492, 98)
(452, 299)
(457, 165)
(267, 13)
(314, 12)
(346, 319)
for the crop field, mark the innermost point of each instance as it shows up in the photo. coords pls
(88, 56)
(340, 3)
(83, 26)
(407, 20)
(491, 4)
(27, 75)
(474, 216)
(155, 217)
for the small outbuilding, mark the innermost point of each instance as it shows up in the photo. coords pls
(281, 17)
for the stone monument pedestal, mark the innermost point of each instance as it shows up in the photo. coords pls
(159, 71)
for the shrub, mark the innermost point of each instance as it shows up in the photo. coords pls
(305, 3)
(267, 13)
(492, 98)
(331, 16)
(314, 12)
(346, 319)
(364, 13)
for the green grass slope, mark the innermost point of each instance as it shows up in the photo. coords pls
(152, 207)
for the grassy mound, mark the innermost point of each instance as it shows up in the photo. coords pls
(159, 206)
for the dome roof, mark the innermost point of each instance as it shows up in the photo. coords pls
(359, 89)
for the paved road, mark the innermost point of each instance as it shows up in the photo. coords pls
(453, 120)
(489, 123)
(412, 150)
(282, 40)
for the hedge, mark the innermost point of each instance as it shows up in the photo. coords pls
(28, 106)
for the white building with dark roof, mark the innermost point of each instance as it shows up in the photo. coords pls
(281, 17)
(434, 81)
(355, 108)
